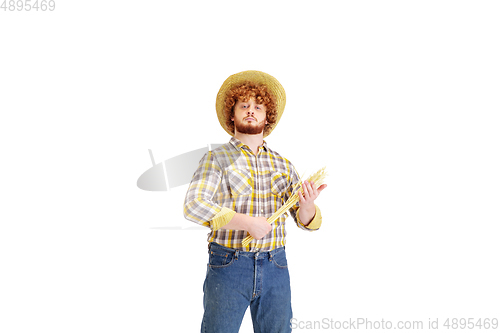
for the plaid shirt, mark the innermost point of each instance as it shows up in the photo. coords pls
(231, 179)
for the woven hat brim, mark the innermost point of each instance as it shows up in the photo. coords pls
(261, 78)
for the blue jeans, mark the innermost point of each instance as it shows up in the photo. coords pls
(237, 279)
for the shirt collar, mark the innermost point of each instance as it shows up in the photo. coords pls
(240, 145)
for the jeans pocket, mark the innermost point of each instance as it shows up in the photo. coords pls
(219, 259)
(279, 259)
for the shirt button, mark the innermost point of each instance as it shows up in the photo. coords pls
(262, 211)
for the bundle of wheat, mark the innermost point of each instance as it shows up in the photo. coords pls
(317, 178)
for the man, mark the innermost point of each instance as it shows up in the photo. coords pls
(234, 190)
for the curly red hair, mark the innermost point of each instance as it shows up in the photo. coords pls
(244, 92)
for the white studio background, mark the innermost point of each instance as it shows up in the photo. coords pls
(399, 99)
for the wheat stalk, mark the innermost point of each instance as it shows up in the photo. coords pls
(318, 178)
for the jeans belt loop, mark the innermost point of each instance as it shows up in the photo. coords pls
(236, 254)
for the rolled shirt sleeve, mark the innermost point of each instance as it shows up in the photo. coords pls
(315, 223)
(199, 204)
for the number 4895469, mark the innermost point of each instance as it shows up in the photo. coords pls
(28, 5)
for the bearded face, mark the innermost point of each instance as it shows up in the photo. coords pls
(249, 117)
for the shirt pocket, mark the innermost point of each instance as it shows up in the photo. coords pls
(240, 182)
(279, 183)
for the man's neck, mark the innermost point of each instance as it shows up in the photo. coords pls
(252, 141)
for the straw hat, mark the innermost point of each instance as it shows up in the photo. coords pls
(273, 86)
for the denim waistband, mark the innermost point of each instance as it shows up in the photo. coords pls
(219, 247)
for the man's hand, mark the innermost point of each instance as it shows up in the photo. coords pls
(306, 201)
(258, 227)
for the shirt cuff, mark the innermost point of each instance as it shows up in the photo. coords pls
(316, 221)
(222, 218)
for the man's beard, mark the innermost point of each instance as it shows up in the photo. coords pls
(249, 128)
